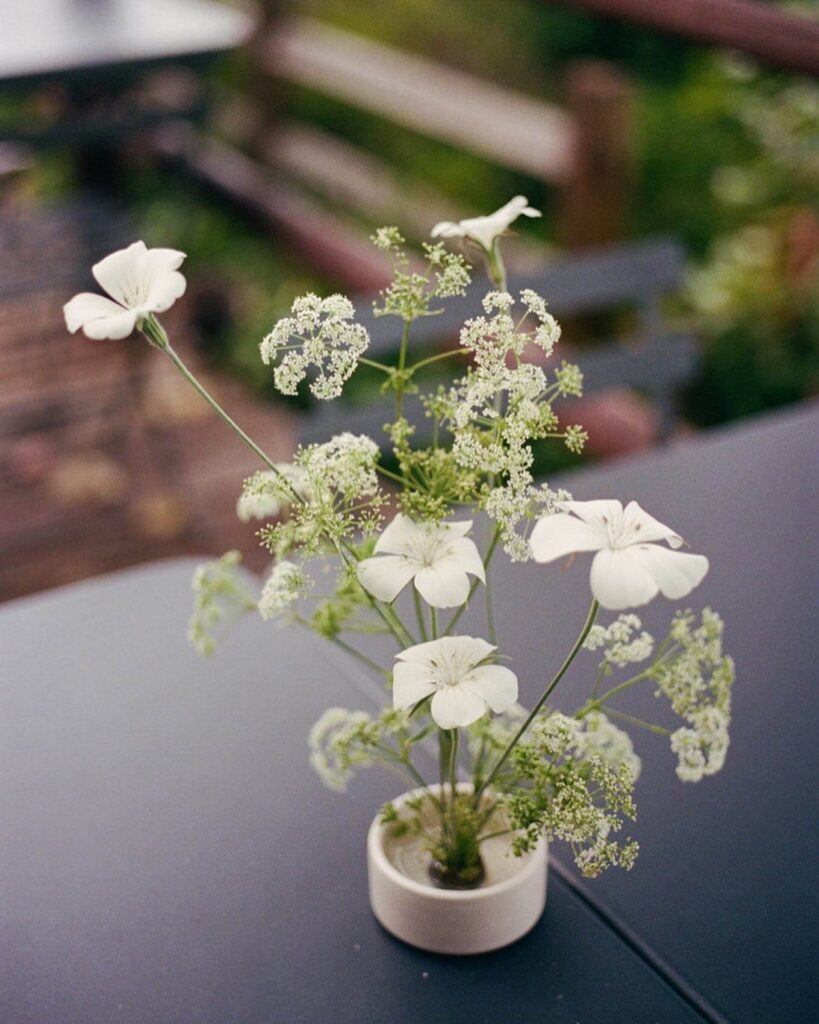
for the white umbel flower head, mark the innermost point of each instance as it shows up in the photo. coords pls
(283, 588)
(628, 569)
(484, 230)
(265, 497)
(437, 556)
(139, 280)
(451, 670)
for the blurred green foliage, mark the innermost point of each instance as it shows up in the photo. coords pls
(727, 156)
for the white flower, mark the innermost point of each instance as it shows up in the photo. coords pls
(484, 230)
(437, 556)
(139, 280)
(345, 464)
(320, 334)
(264, 496)
(451, 669)
(283, 587)
(627, 570)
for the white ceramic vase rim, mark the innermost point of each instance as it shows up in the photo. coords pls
(528, 864)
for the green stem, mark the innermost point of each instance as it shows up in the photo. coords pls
(391, 476)
(433, 618)
(344, 646)
(161, 340)
(492, 835)
(402, 365)
(419, 612)
(598, 701)
(417, 777)
(640, 722)
(494, 266)
(453, 779)
(490, 614)
(437, 358)
(590, 618)
(375, 365)
(490, 551)
(444, 753)
(387, 615)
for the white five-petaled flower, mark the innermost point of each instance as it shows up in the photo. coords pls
(139, 280)
(437, 556)
(628, 569)
(484, 230)
(452, 670)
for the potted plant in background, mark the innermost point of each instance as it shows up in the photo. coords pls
(457, 863)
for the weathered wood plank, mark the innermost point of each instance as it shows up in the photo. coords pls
(341, 251)
(773, 35)
(511, 129)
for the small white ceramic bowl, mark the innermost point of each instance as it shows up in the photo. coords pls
(500, 911)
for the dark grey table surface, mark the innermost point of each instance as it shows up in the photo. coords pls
(168, 855)
(42, 39)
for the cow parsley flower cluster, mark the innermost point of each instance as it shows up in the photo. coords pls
(502, 404)
(698, 679)
(345, 465)
(268, 492)
(618, 642)
(578, 790)
(220, 595)
(341, 495)
(321, 335)
(342, 741)
(285, 584)
(391, 594)
(412, 290)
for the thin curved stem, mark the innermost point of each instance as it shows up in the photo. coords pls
(590, 619)
(490, 551)
(189, 377)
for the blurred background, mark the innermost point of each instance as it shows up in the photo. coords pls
(673, 147)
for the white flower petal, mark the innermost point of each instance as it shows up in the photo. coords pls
(461, 528)
(112, 327)
(466, 554)
(117, 274)
(385, 577)
(470, 650)
(559, 534)
(399, 536)
(443, 585)
(640, 528)
(410, 683)
(484, 230)
(496, 684)
(467, 650)
(676, 573)
(447, 229)
(454, 707)
(160, 281)
(86, 307)
(618, 581)
(602, 513)
(164, 291)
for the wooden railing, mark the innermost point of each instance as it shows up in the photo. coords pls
(774, 35)
(582, 149)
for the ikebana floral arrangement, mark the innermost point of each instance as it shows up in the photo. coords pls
(394, 519)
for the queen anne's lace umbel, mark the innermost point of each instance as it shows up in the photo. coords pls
(320, 335)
